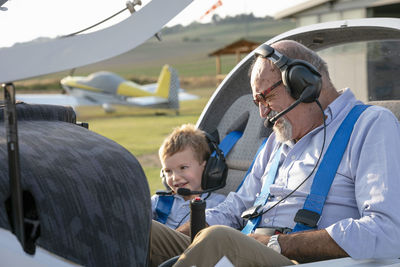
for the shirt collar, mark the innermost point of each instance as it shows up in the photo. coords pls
(343, 103)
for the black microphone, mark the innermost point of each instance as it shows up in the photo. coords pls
(188, 192)
(271, 121)
(164, 192)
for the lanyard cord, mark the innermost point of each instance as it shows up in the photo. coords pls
(315, 167)
(94, 25)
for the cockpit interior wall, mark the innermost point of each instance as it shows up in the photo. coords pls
(91, 194)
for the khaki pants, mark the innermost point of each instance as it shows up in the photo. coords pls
(209, 246)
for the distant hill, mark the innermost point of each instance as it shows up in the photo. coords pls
(184, 48)
(187, 48)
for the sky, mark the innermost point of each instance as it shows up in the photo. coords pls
(25, 20)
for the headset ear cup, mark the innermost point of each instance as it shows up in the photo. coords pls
(215, 171)
(164, 180)
(301, 75)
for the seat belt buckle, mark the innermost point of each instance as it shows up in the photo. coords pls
(283, 230)
(307, 217)
(251, 213)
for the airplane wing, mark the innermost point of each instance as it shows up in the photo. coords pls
(146, 101)
(154, 100)
(73, 101)
(55, 99)
(183, 95)
(34, 59)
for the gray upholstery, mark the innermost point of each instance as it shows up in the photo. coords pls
(392, 105)
(92, 195)
(242, 116)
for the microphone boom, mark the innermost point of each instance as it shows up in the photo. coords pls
(270, 122)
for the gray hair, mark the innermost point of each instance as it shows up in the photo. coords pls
(296, 50)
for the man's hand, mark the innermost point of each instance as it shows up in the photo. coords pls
(306, 246)
(260, 238)
(309, 246)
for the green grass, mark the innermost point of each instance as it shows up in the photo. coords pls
(141, 131)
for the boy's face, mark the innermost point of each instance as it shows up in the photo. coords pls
(182, 169)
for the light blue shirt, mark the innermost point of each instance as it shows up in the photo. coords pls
(362, 209)
(180, 211)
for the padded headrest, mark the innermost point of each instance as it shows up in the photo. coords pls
(392, 105)
(242, 116)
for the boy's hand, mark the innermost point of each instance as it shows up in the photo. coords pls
(185, 228)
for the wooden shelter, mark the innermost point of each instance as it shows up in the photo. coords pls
(239, 47)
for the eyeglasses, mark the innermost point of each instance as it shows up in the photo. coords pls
(261, 97)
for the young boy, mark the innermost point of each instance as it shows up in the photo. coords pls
(183, 156)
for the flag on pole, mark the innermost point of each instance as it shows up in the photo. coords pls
(213, 7)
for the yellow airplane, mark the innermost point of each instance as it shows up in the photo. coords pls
(107, 89)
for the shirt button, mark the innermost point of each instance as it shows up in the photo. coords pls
(266, 220)
(293, 157)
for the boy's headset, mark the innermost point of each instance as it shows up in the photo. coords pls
(214, 173)
(300, 77)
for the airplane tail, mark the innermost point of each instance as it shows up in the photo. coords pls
(168, 86)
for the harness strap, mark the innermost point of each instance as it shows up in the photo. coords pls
(163, 207)
(165, 202)
(229, 141)
(308, 217)
(263, 196)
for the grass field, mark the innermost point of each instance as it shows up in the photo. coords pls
(141, 131)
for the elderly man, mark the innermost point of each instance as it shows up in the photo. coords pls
(295, 212)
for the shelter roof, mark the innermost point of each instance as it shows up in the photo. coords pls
(241, 46)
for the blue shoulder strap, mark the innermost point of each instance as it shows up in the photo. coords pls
(262, 198)
(229, 141)
(308, 217)
(165, 202)
(163, 207)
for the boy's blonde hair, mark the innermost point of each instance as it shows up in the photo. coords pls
(182, 137)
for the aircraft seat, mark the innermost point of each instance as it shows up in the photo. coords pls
(91, 194)
(392, 105)
(242, 116)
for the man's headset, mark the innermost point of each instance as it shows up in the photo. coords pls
(214, 173)
(300, 77)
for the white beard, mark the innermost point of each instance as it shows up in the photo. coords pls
(282, 128)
